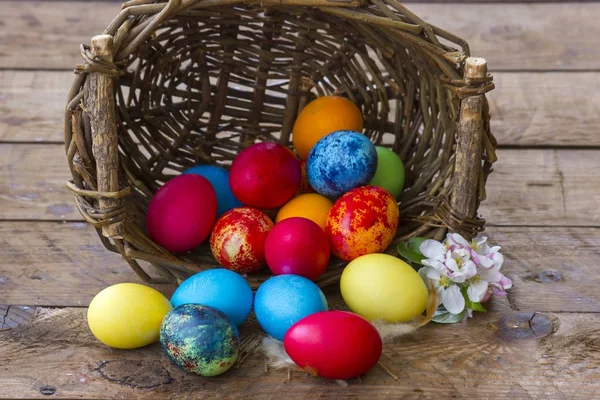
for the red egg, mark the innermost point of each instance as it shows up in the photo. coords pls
(334, 344)
(297, 246)
(362, 221)
(182, 212)
(265, 175)
(238, 239)
(304, 183)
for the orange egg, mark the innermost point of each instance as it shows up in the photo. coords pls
(362, 221)
(321, 117)
(311, 206)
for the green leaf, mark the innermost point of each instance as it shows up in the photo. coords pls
(471, 304)
(410, 250)
(446, 317)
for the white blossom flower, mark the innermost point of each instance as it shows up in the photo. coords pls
(448, 293)
(455, 264)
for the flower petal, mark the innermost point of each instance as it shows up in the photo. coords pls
(451, 264)
(432, 249)
(505, 282)
(453, 299)
(430, 273)
(456, 239)
(490, 275)
(469, 269)
(476, 291)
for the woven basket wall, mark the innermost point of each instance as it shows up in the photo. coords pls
(174, 84)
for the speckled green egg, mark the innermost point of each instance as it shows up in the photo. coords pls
(200, 339)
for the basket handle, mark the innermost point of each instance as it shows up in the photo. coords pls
(99, 103)
(313, 3)
(467, 167)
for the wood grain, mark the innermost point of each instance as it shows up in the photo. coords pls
(57, 264)
(498, 355)
(553, 270)
(34, 35)
(527, 187)
(32, 105)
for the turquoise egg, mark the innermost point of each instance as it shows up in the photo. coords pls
(283, 300)
(221, 289)
(341, 161)
(199, 339)
(219, 178)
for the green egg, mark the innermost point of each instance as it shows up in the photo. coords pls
(390, 171)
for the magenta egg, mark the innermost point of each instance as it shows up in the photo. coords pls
(182, 212)
(265, 175)
(334, 344)
(297, 246)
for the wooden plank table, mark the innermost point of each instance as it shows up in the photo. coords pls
(541, 342)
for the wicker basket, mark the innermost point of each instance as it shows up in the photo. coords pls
(169, 85)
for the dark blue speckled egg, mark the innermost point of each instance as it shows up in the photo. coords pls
(340, 162)
(200, 339)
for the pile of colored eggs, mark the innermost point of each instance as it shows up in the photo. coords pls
(338, 199)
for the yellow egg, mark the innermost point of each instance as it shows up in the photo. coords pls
(127, 315)
(311, 206)
(381, 286)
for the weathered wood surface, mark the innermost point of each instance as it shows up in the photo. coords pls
(496, 355)
(34, 35)
(527, 187)
(528, 109)
(57, 264)
(32, 104)
(552, 269)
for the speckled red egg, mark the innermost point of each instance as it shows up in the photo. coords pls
(238, 239)
(334, 344)
(265, 175)
(182, 212)
(297, 246)
(362, 221)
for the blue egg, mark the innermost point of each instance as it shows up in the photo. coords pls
(221, 289)
(340, 162)
(219, 178)
(283, 300)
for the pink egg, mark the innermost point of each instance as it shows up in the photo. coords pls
(265, 175)
(182, 212)
(297, 246)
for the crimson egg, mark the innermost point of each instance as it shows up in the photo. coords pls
(238, 239)
(182, 212)
(297, 246)
(265, 175)
(334, 344)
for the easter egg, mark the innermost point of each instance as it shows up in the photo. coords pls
(390, 171)
(238, 239)
(381, 286)
(283, 300)
(221, 289)
(304, 183)
(341, 161)
(297, 246)
(265, 175)
(219, 179)
(334, 345)
(127, 315)
(321, 117)
(200, 339)
(362, 221)
(182, 212)
(311, 206)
